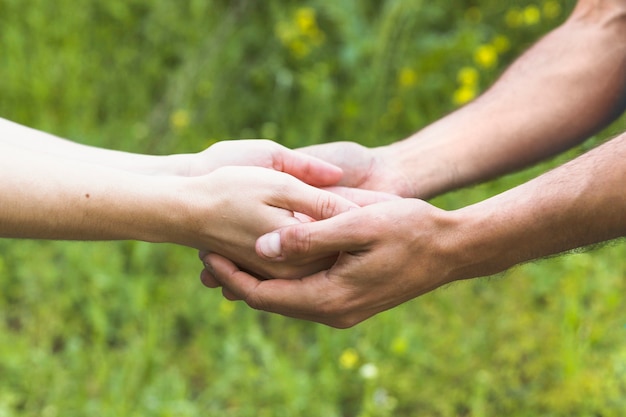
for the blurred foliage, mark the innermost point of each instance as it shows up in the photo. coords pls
(110, 329)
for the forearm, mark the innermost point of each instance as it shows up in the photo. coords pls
(567, 86)
(45, 143)
(578, 204)
(45, 197)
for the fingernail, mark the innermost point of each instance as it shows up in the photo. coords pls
(269, 245)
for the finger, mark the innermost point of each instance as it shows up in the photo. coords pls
(314, 298)
(362, 197)
(342, 233)
(238, 283)
(208, 280)
(314, 202)
(275, 296)
(229, 295)
(307, 168)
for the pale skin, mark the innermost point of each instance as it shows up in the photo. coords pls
(52, 188)
(567, 86)
(263, 153)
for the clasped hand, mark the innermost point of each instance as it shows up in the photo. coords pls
(231, 206)
(350, 265)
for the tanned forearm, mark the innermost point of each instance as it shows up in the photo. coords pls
(575, 205)
(567, 86)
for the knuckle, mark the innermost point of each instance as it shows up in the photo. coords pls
(326, 206)
(296, 240)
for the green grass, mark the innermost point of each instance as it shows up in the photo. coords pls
(126, 329)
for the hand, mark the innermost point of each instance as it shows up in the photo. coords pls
(262, 153)
(389, 253)
(366, 168)
(233, 206)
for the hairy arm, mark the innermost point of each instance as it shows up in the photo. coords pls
(395, 251)
(567, 86)
(563, 89)
(580, 203)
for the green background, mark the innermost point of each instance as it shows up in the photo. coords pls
(126, 329)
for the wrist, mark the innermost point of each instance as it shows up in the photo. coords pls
(173, 165)
(424, 162)
(152, 208)
(182, 211)
(479, 246)
(501, 232)
(180, 165)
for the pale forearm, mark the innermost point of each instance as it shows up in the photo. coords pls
(567, 86)
(37, 141)
(51, 198)
(578, 204)
(44, 197)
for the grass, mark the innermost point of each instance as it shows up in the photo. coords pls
(125, 328)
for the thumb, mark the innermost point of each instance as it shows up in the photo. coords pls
(314, 239)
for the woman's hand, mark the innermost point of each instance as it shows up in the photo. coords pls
(261, 153)
(227, 210)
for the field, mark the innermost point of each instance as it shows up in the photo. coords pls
(108, 329)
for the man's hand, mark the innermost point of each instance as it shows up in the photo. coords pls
(394, 251)
(366, 168)
(389, 253)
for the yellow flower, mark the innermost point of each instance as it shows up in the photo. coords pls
(179, 119)
(464, 94)
(302, 34)
(399, 346)
(468, 76)
(407, 77)
(305, 20)
(551, 9)
(348, 358)
(486, 56)
(531, 15)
